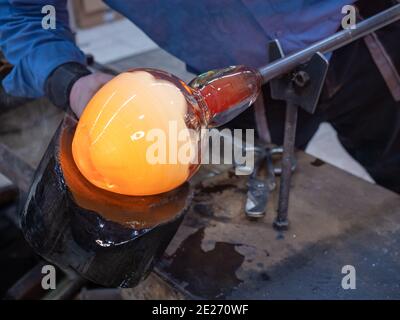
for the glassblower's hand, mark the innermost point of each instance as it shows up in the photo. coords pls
(84, 89)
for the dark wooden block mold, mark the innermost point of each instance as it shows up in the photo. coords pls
(110, 239)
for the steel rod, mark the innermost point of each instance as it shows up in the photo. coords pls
(330, 44)
(281, 221)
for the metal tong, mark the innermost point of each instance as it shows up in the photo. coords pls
(260, 188)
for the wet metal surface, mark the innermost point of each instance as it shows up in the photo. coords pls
(188, 263)
(337, 220)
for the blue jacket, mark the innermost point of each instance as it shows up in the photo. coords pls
(206, 34)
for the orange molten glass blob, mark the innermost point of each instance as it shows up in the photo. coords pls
(141, 132)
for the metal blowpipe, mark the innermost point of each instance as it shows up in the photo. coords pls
(334, 42)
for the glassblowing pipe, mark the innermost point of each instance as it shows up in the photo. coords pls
(336, 41)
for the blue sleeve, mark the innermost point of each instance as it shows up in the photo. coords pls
(35, 52)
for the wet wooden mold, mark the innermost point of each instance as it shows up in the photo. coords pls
(108, 238)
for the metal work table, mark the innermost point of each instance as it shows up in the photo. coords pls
(337, 220)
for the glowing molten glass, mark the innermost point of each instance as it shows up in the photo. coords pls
(140, 133)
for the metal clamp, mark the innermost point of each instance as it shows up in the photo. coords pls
(299, 88)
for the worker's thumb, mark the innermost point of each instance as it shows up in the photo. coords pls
(84, 89)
